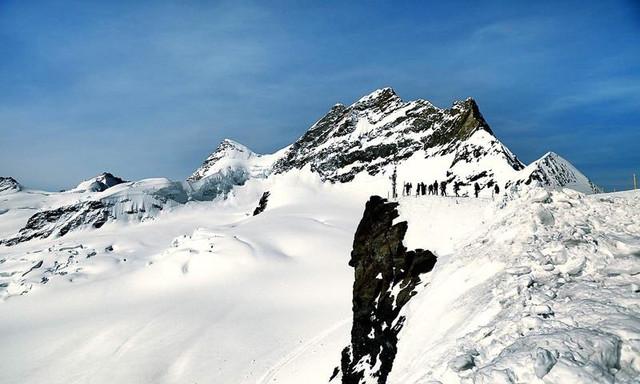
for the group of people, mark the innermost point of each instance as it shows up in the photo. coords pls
(424, 189)
(432, 189)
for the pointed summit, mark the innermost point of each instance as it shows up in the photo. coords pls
(378, 98)
(381, 128)
(472, 119)
(552, 170)
(228, 154)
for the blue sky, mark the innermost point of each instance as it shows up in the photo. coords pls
(148, 89)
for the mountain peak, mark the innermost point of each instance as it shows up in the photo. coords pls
(228, 147)
(227, 154)
(555, 171)
(99, 183)
(379, 97)
(9, 184)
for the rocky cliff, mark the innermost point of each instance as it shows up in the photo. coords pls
(386, 277)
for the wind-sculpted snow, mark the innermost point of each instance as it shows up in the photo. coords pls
(547, 292)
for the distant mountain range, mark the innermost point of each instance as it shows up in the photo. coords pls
(367, 140)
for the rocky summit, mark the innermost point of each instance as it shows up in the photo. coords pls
(382, 129)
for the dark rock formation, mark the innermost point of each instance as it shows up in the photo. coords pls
(262, 204)
(386, 275)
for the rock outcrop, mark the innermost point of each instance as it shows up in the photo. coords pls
(386, 277)
(262, 204)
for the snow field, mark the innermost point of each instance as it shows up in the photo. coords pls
(546, 294)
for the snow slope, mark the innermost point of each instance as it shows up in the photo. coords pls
(545, 291)
(209, 293)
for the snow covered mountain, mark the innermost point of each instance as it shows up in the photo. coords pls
(99, 183)
(231, 164)
(368, 138)
(9, 184)
(380, 129)
(371, 138)
(553, 171)
(284, 268)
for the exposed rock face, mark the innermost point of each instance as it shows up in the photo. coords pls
(386, 275)
(381, 128)
(61, 220)
(9, 184)
(262, 204)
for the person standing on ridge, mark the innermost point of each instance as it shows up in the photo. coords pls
(443, 188)
(476, 187)
(435, 187)
(456, 188)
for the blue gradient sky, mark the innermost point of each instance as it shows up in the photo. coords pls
(147, 89)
